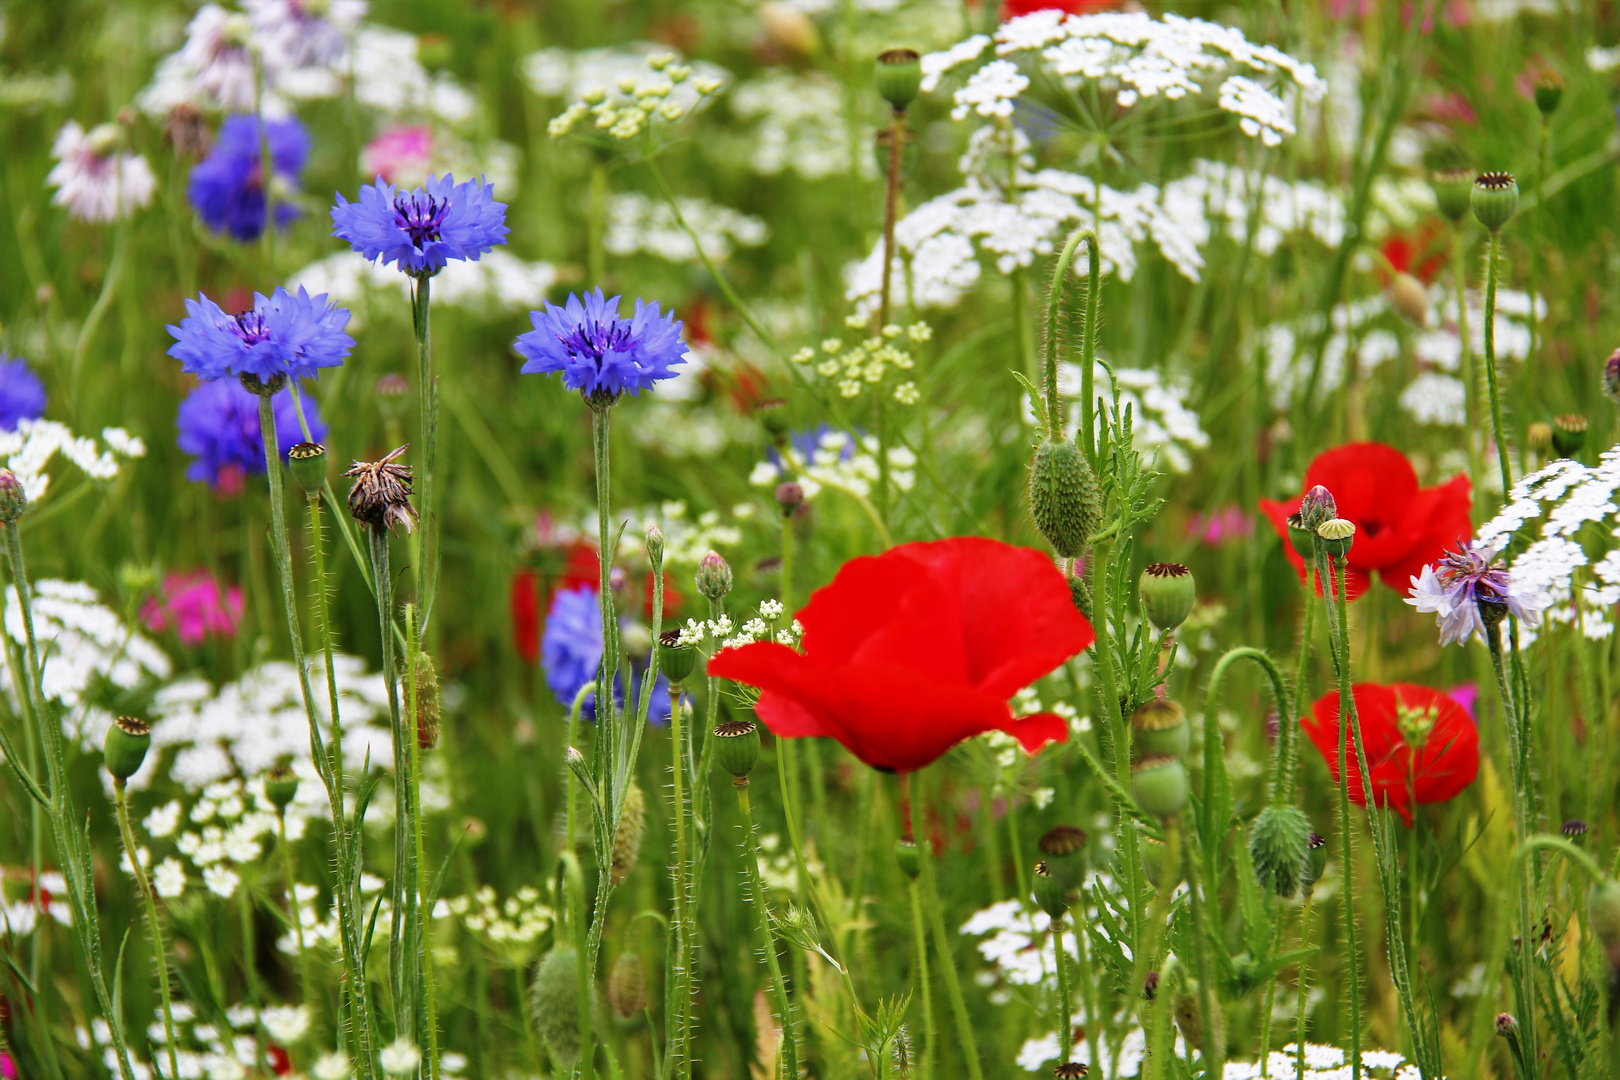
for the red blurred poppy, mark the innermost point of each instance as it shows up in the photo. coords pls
(525, 606)
(567, 566)
(1011, 9)
(1400, 527)
(1420, 252)
(910, 652)
(1421, 745)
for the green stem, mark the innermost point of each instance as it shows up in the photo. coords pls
(430, 1009)
(1470, 376)
(891, 199)
(427, 393)
(680, 1057)
(919, 948)
(1498, 428)
(98, 310)
(947, 956)
(1302, 987)
(1088, 347)
(767, 940)
(1065, 1024)
(154, 928)
(1525, 818)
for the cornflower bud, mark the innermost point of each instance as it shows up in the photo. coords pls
(13, 499)
(1316, 507)
(655, 547)
(713, 577)
(789, 496)
(1495, 199)
(1611, 377)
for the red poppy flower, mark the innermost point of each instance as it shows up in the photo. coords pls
(1400, 527)
(525, 606)
(1421, 745)
(1011, 9)
(910, 652)
(1420, 252)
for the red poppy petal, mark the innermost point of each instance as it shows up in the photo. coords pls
(864, 595)
(1370, 481)
(1449, 759)
(1034, 732)
(1440, 518)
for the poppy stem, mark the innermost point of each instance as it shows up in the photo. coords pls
(1498, 427)
(947, 957)
(767, 940)
(1470, 375)
(919, 944)
(154, 928)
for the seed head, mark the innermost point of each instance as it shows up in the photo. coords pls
(381, 495)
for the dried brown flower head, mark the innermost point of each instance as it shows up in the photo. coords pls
(381, 495)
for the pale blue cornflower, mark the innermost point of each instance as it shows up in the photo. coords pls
(421, 230)
(1464, 582)
(599, 353)
(283, 336)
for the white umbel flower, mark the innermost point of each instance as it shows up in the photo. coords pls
(94, 178)
(400, 1057)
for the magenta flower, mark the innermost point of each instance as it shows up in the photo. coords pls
(193, 604)
(400, 154)
(1218, 526)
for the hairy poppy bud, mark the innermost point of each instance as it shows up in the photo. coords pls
(1159, 785)
(1280, 847)
(1159, 729)
(1317, 860)
(1337, 536)
(713, 577)
(428, 704)
(307, 463)
(1453, 190)
(627, 991)
(899, 77)
(655, 547)
(1049, 893)
(1611, 377)
(556, 1004)
(788, 28)
(906, 856)
(281, 786)
(128, 740)
(1301, 539)
(627, 839)
(736, 747)
(1064, 848)
(675, 660)
(1568, 434)
(1167, 591)
(1316, 507)
(1549, 92)
(1495, 199)
(1064, 497)
(1080, 595)
(13, 499)
(1409, 298)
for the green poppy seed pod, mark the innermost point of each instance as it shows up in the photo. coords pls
(1064, 848)
(736, 747)
(1538, 436)
(1160, 729)
(393, 396)
(1301, 539)
(1316, 860)
(556, 1004)
(281, 786)
(1568, 434)
(899, 77)
(1159, 785)
(1611, 377)
(627, 991)
(675, 660)
(1071, 1070)
(1573, 830)
(1049, 894)
(1337, 536)
(713, 578)
(906, 857)
(1549, 92)
(1453, 192)
(627, 840)
(1315, 507)
(307, 463)
(1167, 592)
(655, 547)
(1495, 199)
(1064, 497)
(1603, 912)
(13, 499)
(429, 707)
(128, 740)
(1280, 848)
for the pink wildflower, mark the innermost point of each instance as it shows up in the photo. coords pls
(194, 606)
(400, 155)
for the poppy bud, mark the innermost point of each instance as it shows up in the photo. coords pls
(1301, 539)
(899, 77)
(655, 547)
(906, 856)
(1611, 377)
(1280, 847)
(13, 499)
(627, 991)
(1539, 436)
(1064, 497)
(556, 1004)
(1160, 729)
(307, 463)
(736, 747)
(1190, 1017)
(1603, 912)
(627, 839)
(1065, 851)
(1337, 536)
(1080, 594)
(1495, 199)
(789, 496)
(1549, 92)
(713, 577)
(428, 708)
(1050, 895)
(393, 395)
(788, 28)
(675, 660)
(128, 740)
(1453, 189)
(1410, 299)
(1317, 860)
(1315, 507)
(281, 786)
(1071, 1070)
(471, 831)
(1568, 434)
(1159, 785)
(1167, 592)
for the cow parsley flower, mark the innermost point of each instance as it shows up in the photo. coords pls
(284, 336)
(94, 177)
(22, 395)
(219, 428)
(1467, 580)
(29, 449)
(227, 187)
(599, 353)
(422, 230)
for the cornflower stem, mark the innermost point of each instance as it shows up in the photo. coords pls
(427, 394)
(919, 946)
(891, 199)
(289, 882)
(154, 928)
(1470, 376)
(323, 640)
(942, 945)
(1498, 427)
(767, 940)
(68, 832)
(414, 734)
(683, 887)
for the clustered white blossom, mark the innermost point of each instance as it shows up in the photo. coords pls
(19, 914)
(94, 177)
(1162, 422)
(869, 362)
(637, 223)
(27, 451)
(779, 868)
(1321, 1063)
(511, 928)
(798, 125)
(498, 283)
(651, 96)
(712, 635)
(839, 461)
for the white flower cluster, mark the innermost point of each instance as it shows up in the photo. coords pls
(839, 461)
(19, 914)
(497, 284)
(722, 633)
(1321, 1063)
(868, 362)
(1135, 56)
(778, 868)
(686, 540)
(622, 99)
(637, 223)
(27, 451)
(798, 125)
(511, 928)
(227, 830)
(1161, 420)
(94, 177)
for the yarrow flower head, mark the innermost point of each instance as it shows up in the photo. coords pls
(227, 187)
(1469, 591)
(22, 395)
(284, 336)
(599, 353)
(94, 178)
(421, 230)
(219, 427)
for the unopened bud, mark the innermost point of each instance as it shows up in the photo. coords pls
(1064, 497)
(789, 496)
(13, 499)
(655, 547)
(1611, 377)
(1410, 299)
(1315, 507)
(627, 990)
(1506, 1025)
(1539, 436)
(713, 576)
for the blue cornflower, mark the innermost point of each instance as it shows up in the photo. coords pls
(227, 187)
(1469, 589)
(22, 395)
(219, 426)
(571, 649)
(600, 354)
(809, 441)
(284, 335)
(424, 229)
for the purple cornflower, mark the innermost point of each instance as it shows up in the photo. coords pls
(227, 187)
(571, 649)
(598, 353)
(284, 335)
(22, 395)
(1467, 589)
(219, 426)
(424, 228)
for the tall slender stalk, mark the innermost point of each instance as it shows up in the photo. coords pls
(767, 940)
(942, 945)
(891, 199)
(919, 948)
(154, 928)
(1498, 427)
(427, 393)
